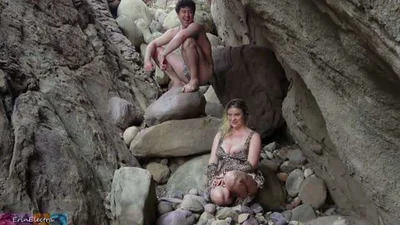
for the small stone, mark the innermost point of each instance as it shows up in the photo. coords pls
(308, 172)
(164, 161)
(193, 191)
(294, 223)
(129, 134)
(159, 172)
(164, 207)
(225, 212)
(270, 147)
(316, 148)
(251, 221)
(313, 191)
(269, 155)
(281, 154)
(193, 203)
(243, 217)
(205, 218)
(303, 213)
(210, 208)
(263, 155)
(296, 202)
(296, 155)
(289, 166)
(260, 218)
(257, 208)
(294, 181)
(196, 216)
(220, 222)
(282, 176)
(246, 209)
(331, 211)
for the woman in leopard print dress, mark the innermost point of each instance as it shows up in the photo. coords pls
(232, 170)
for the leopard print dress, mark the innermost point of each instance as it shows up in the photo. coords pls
(236, 161)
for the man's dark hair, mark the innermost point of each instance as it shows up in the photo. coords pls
(185, 3)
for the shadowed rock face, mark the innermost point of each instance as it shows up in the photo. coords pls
(346, 55)
(60, 62)
(253, 74)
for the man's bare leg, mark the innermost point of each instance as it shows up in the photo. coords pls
(200, 70)
(174, 69)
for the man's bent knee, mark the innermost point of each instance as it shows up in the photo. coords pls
(158, 52)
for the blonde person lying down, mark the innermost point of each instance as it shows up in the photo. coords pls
(232, 175)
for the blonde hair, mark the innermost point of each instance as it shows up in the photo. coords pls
(225, 127)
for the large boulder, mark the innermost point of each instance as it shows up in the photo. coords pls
(256, 70)
(213, 105)
(129, 11)
(176, 138)
(123, 113)
(133, 197)
(229, 17)
(313, 192)
(189, 175)
(272, 196)
(175, 105)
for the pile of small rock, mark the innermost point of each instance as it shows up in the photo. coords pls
(302, 185)
(194, 208)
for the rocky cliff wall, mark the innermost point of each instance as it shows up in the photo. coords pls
(346, 55)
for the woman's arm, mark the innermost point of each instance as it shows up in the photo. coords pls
(254, 150)
(213, 156)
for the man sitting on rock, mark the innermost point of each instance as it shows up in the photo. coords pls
(195, 65)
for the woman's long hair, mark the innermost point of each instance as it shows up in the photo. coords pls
(226, 128)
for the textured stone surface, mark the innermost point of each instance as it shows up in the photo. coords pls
(256, 70)
(272, 196)
(189, 175)
(313, 192)
(175, 105)
(352, 75)
(176, 138)
(133, 196)
(64, 60)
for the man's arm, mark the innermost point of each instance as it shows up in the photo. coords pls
(192, 30)
(158, 42)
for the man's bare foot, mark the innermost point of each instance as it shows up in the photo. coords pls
(190, 87)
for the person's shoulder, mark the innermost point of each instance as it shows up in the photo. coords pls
(173, 30)
(255, 134)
